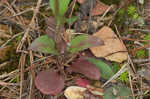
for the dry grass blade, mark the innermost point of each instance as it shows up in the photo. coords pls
(22, 63)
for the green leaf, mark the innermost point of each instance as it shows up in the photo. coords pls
(59, 9)
(44, 44)
(71, 20)
(124, 77)
(117, 92)
(105, 70)
(52, 6)
(63, 5)
(82, 42)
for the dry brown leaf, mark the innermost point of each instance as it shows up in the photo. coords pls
(113, 50)
(76, 92)
(99, 9)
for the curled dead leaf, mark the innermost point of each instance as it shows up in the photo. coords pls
(75, 92)
(113, 49)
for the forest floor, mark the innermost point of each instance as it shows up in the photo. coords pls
(22, 21)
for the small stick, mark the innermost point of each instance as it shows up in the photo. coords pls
(131, 86)
(22, 63)
(30, 26)
(11, 39)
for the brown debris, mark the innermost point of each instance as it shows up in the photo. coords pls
(113, 49)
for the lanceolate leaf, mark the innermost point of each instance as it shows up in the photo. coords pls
(49, 82)
(105, 70)
(83, 66)
(59, 8)
(63, 5)
(82, 42)
(44, 44)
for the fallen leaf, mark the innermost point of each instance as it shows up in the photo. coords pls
(99, 9)
(49, 82)
(75, 92)
(113, 50)
(83, 66)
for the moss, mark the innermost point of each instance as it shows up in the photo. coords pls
(132, 12)
(124, 77)
(147, 37)
(141, 53)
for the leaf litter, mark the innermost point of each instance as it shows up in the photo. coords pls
(113, 49)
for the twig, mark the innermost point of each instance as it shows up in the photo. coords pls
(4, 64)
(131, 86)
(21, 64)
(142, 30)
(11, 39)
(106, 11)
(30, 26)
(2, 83)
(140, 60)
(130, 61)
(132, 39)
(9, 74)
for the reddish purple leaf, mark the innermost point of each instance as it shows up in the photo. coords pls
(82, 82)
(49, 82)
(83, 66)
(51, 31)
